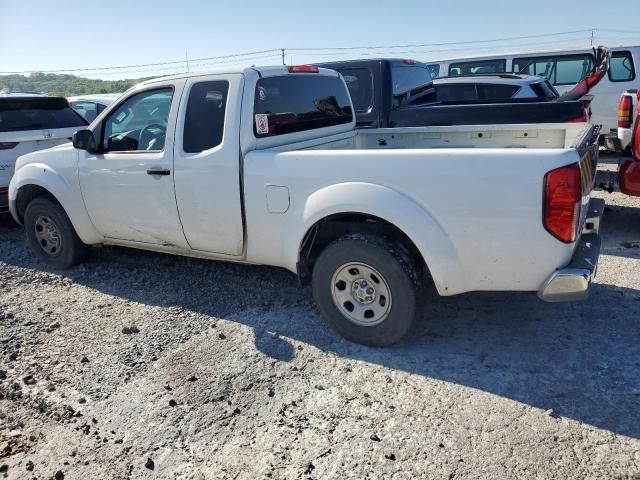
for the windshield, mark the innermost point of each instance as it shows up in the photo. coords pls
(408, 77)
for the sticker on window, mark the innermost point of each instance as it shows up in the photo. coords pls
(262, 123)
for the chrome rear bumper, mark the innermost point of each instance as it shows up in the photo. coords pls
(572, 282)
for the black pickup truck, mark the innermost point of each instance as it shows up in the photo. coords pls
(389, 93)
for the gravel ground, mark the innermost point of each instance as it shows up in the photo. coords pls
(140, 365)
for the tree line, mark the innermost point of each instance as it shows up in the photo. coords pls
(63, 85)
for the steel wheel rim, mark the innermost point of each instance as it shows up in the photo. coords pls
(361, 294)
(48, 235)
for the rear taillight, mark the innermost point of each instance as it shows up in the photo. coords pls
(581, 119)
(635, 139)
(625, 112)
(303, 69)
(562, 198)
(408, 61)
(7, 145)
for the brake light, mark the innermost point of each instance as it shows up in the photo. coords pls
(562, 196)
(581, 119)
(629, 177)
(408, 61)
(303, 69)
(625, 112)
(635, 136)
(7, 145)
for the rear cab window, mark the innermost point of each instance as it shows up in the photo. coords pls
(298, 102)
(37, 113)
(621, 67)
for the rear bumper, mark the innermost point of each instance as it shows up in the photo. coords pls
(573, 282)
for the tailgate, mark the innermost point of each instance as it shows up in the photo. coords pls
(587, 148)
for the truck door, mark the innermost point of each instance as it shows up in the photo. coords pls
(128, 187)
(207, 164)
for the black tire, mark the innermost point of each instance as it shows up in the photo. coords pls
(399, 275)
(69, 251)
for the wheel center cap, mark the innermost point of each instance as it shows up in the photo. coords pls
(363, 291)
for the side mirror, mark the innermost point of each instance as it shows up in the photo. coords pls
(84, 140)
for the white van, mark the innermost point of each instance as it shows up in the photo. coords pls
(563, 68)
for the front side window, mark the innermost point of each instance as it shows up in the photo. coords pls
(456, 92)
(495, 91)
(409, 77)
(295, 103)
(140, 123)
(559, 70)
(434, 70)
(204, 119)
(479, 66)
(88, 110)
(621, 67)
(360, 84)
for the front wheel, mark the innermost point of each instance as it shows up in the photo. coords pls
(365, 286)
(50, 234)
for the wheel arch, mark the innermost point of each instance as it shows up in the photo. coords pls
(353, 207)
(34, 180)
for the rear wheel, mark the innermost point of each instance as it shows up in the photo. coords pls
(50, 234)
(365, 287)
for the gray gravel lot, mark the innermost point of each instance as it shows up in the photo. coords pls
(141, 365)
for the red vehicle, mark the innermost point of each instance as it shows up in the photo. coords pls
(629, 171)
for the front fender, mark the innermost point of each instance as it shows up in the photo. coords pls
(415, 221)
(67, 193)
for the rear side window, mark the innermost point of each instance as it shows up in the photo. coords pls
(295, 103)
(491, 91)
(559, 70)
(19, 114)
(479, 66)
(621, 68)
(544, 90)
(360, 84)
(204, 119)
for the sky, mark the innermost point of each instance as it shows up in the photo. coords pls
(70, 35)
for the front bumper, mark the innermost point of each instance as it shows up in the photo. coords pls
(4, 200)
(573, 282)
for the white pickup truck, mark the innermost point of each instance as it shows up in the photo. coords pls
(264, 166)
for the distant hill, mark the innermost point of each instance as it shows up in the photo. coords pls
(63, 85)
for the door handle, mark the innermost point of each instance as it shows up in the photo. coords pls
(158, 171)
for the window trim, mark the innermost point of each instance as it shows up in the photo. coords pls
(502, 61)
(633, 67)
(103, 123)
(187, 96)
(555, 59)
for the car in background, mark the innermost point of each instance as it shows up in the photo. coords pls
(626, 114)
(31, 122)
(629, 169)
(493, 87)
(90, 106)
(564, 69)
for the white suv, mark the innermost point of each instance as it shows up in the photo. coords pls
(90, 106)
(30, 122)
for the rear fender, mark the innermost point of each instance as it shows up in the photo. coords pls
(437, 249)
